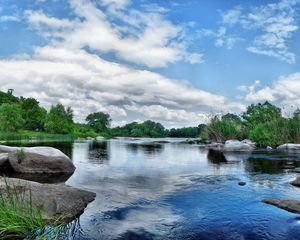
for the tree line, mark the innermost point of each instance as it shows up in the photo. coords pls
(19, 113)
(263, 123)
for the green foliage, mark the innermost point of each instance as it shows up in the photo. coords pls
(187, 132)
(271, 133)
(83, 131)
(21, 218)
(33, 115)
(261, 113)
(21, 155)
(11, 117)
(98, 121)
(59, 120)
(229, 126)
(145, 129)
(8, 97)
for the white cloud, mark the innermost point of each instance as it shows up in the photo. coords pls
(144, 38)
(272, 25)
(71, 70)
(284, 91)
(10, 18)
(232, 16)
(88, 83)
(221, 36)
(171, 117)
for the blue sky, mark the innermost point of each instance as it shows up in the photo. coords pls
(176, 62)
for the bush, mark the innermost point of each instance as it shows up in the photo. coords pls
(272, 133)
(221, 129)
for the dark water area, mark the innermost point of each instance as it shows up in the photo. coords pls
(180, 191)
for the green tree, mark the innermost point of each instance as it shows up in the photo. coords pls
(261, 113)
(33, 114)
(98, 121)
(59, 120)
(8, 97)
(11, 117)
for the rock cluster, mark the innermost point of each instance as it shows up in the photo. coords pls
(233, 146)
(56, 200)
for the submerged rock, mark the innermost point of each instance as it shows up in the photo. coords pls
(296, 182)
(242, 183)
(288, 205)
(56, 200)
(289, 147)
(40, 160)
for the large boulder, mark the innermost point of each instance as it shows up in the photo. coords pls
(56, 200)
(289, 147)
(288, 205)
(40, 160)
(6, 149)
(237, 146)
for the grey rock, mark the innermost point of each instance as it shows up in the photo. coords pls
(6, 149)
(249, 142)
(289, 147)
(56, 200)
(269, 148)
(40, 160)
(296, 182)
(237, 146)
(288, 205)
(4, 160)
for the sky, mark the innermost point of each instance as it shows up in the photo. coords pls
(173, 61)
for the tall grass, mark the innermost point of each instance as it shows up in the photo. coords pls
(20, 218)
(34, 136)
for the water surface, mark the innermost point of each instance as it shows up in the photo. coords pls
(182, 191)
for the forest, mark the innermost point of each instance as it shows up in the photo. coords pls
(263, 123)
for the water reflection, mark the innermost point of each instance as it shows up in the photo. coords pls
(149, 190)
(216, 157)
(263, 165)
(99, 152)
(150, 149)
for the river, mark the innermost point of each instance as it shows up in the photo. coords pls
(181, 191)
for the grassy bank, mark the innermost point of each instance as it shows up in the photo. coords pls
(20, 218)
(34, 136)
